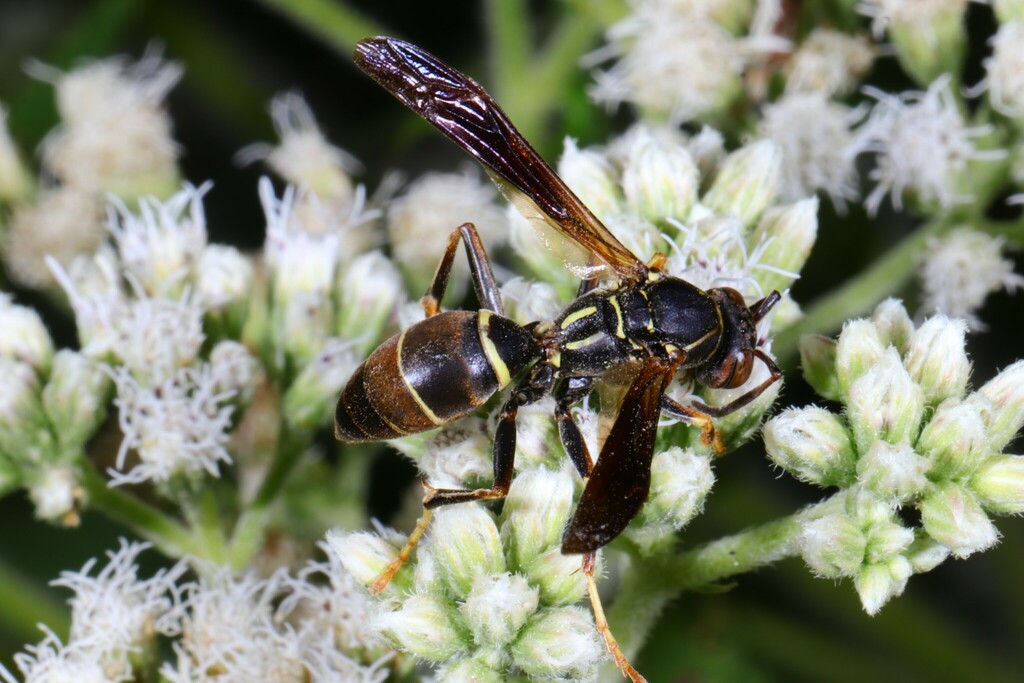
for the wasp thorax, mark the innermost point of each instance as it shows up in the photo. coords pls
(733, 360)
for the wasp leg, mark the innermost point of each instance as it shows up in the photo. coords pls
(480, 266)
(601, 622)
(567, 393)
(532, 388)
(746, 398)
(404, 554)
(698, 418)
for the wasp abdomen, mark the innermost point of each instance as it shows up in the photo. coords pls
(433, 373)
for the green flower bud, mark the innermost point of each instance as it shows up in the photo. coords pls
(424, 626)
(955, 439)
(23, 337)
(25, 435)
(560, 642)
(465, 544)
(369, 292)
(936, 358)
(1006, 392)
(999, 484)
(788, 233)
(310, 399)
(884, 403)
(592, 178)
(925, 554)
(56, 494)
(747, 181)
(876, 584)
(859, 348)
(866, 508)
(893, 324)
(15, 179)
(557, 576)
(886, 540)
(952, 516)
(833, 546)
(76, 397)
(660, 180)
(366, 555)
(536, 511)
(470, 671)
(813, 445)
(818, 362)
(894, 472)
(680, 482)
(497, 607)
(303, 322)
(929, 38)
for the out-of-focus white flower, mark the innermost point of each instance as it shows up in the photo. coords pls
(156, 337)
(526, 300)
(160, 246)
(420, 220)
(55, 493)
(15, 181)
(25, 434)
(829, 62)
(928, 35)
(75, 397)
(673, 63)
(921, 145)
(311, 396)
(814, 136)
(959, 270)
(53, 662)
(235, 370)
(63, 223)
(177, 426)
(1005, 69)
(747, 181)
(301, 262)
(223, 277)
(788, 233)
(368, 294)
(23, 336)
(116, 135)
(591, 177)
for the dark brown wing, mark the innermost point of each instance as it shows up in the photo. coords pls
(621, 479)
(457, 106)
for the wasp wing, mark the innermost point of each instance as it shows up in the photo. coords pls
(621, 480)
(457, 106)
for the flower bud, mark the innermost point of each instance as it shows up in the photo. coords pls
(999, 484)
(929, 37)
(936, 358)
(884, 403)
(24, 431)
(680, 482)
(224, 281)
(497, 607)
(561, 642)
(952, 516)
(474, 670)
(76, 397)
(527, 301)
(1006, 392)
(788, 233)
(309, 400)
(544, 252)
(535, 513)
(818, 362)
(954, 439)
(592, 178)
(876, 584)
(893, 472)
(365, 556)
(832, 546)
(455, 456)
(886, 540)
(424, 626)
(925, 554)
(893, 324)
(23, 337)
(813, 445)
(235, 370)
(15, 179)
(746, 182)
(465, 544)
(859, 347)
(369, 292)
(558, 576)
(866, 508)
(660, 180)
(56, 494)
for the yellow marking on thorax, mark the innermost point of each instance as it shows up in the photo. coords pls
(431, 415)
(578, 315)
(581, 343)
(619, 332)
(695, 344)
(483, 327)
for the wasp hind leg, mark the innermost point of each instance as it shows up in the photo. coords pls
(479, 265)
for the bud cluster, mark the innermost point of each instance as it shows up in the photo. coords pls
(910, 435)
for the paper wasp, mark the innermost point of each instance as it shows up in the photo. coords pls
(645, 322)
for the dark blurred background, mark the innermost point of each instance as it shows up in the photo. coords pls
(963, 621)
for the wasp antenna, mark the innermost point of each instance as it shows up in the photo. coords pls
(760, 308)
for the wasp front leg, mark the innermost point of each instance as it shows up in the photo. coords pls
(709, 436)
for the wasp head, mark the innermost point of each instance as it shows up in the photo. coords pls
(731, 364)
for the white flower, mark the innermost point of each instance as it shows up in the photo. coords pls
(814, 136)
(161, 245)
(828, 62)
(922, 146)
(23, 336)
(53, 662)
(527, 300)
(224, 275)
(56, 495)
(1005, 69)
(177, 426)
(959, 270)
(63, 223)
(235, 370)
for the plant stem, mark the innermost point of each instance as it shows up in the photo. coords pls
(24, 604)
(858, 294)
(169, 536)
(338, 25)
(249, 531)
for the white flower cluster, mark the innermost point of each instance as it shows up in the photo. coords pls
(911, 436)
(289, 628)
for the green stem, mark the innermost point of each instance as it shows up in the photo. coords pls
(24, 604)
(249, 532)
(1013, 231)
(858, 294)
(338, 25)
(169, 536)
